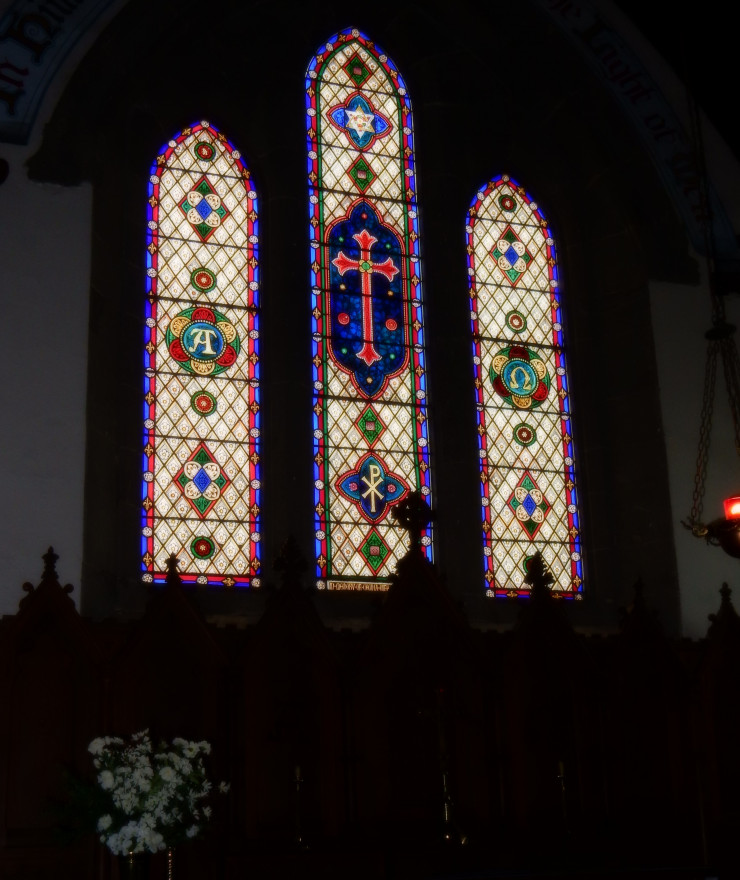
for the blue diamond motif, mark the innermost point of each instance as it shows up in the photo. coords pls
(203, 208)
(529, 504)
(202, 480)
(511, 255)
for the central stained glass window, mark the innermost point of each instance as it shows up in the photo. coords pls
(370, 393)
(201, 488)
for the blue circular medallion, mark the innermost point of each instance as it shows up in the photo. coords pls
(203, 341)
(519, 377)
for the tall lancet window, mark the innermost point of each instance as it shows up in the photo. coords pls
(201, 395)
(370, 390)
(525, 435)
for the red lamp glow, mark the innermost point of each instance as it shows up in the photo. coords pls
(732, 507)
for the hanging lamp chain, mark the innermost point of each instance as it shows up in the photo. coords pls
(720, 338)
(705, 435)
(731, 366)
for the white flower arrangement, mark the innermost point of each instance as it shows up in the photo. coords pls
(152, 799)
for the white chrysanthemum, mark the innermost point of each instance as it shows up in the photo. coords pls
(104, 822)
(106, 780)
(154, 841)
(167, 773)
(97, 746)
(192, 831)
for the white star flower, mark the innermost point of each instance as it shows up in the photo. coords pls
(360, 121)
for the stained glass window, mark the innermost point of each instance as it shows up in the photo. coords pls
(525, 435)
(201, 395)
(370, 391)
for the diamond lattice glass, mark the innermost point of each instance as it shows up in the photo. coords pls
(370, 392)
(525, 436)
(201, 487)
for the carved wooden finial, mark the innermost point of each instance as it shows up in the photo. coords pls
(49, 577)
(726, 619)
(539, 578)
(542, 616)
(173, 577)
(50, 565)
(414, 515)
(290, 562)
(725, 592)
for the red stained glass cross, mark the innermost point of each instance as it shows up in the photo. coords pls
(366, 268)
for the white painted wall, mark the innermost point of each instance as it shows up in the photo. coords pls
(45, 259)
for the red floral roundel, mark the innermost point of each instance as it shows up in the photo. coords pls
(203, 341)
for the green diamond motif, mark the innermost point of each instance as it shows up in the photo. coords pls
(362, 174)
(201, 480)
(370, 425)
(202, 504)
(512, 255)
(374, 551)
(203, 208)
(528, 483)
(357, 70)
(204, 188)
(529, 505)
(201, 456)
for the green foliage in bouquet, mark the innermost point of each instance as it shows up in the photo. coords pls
(146, 799)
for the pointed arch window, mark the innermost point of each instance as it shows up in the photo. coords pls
(201, 487)
(525, 434)
(370, 392)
